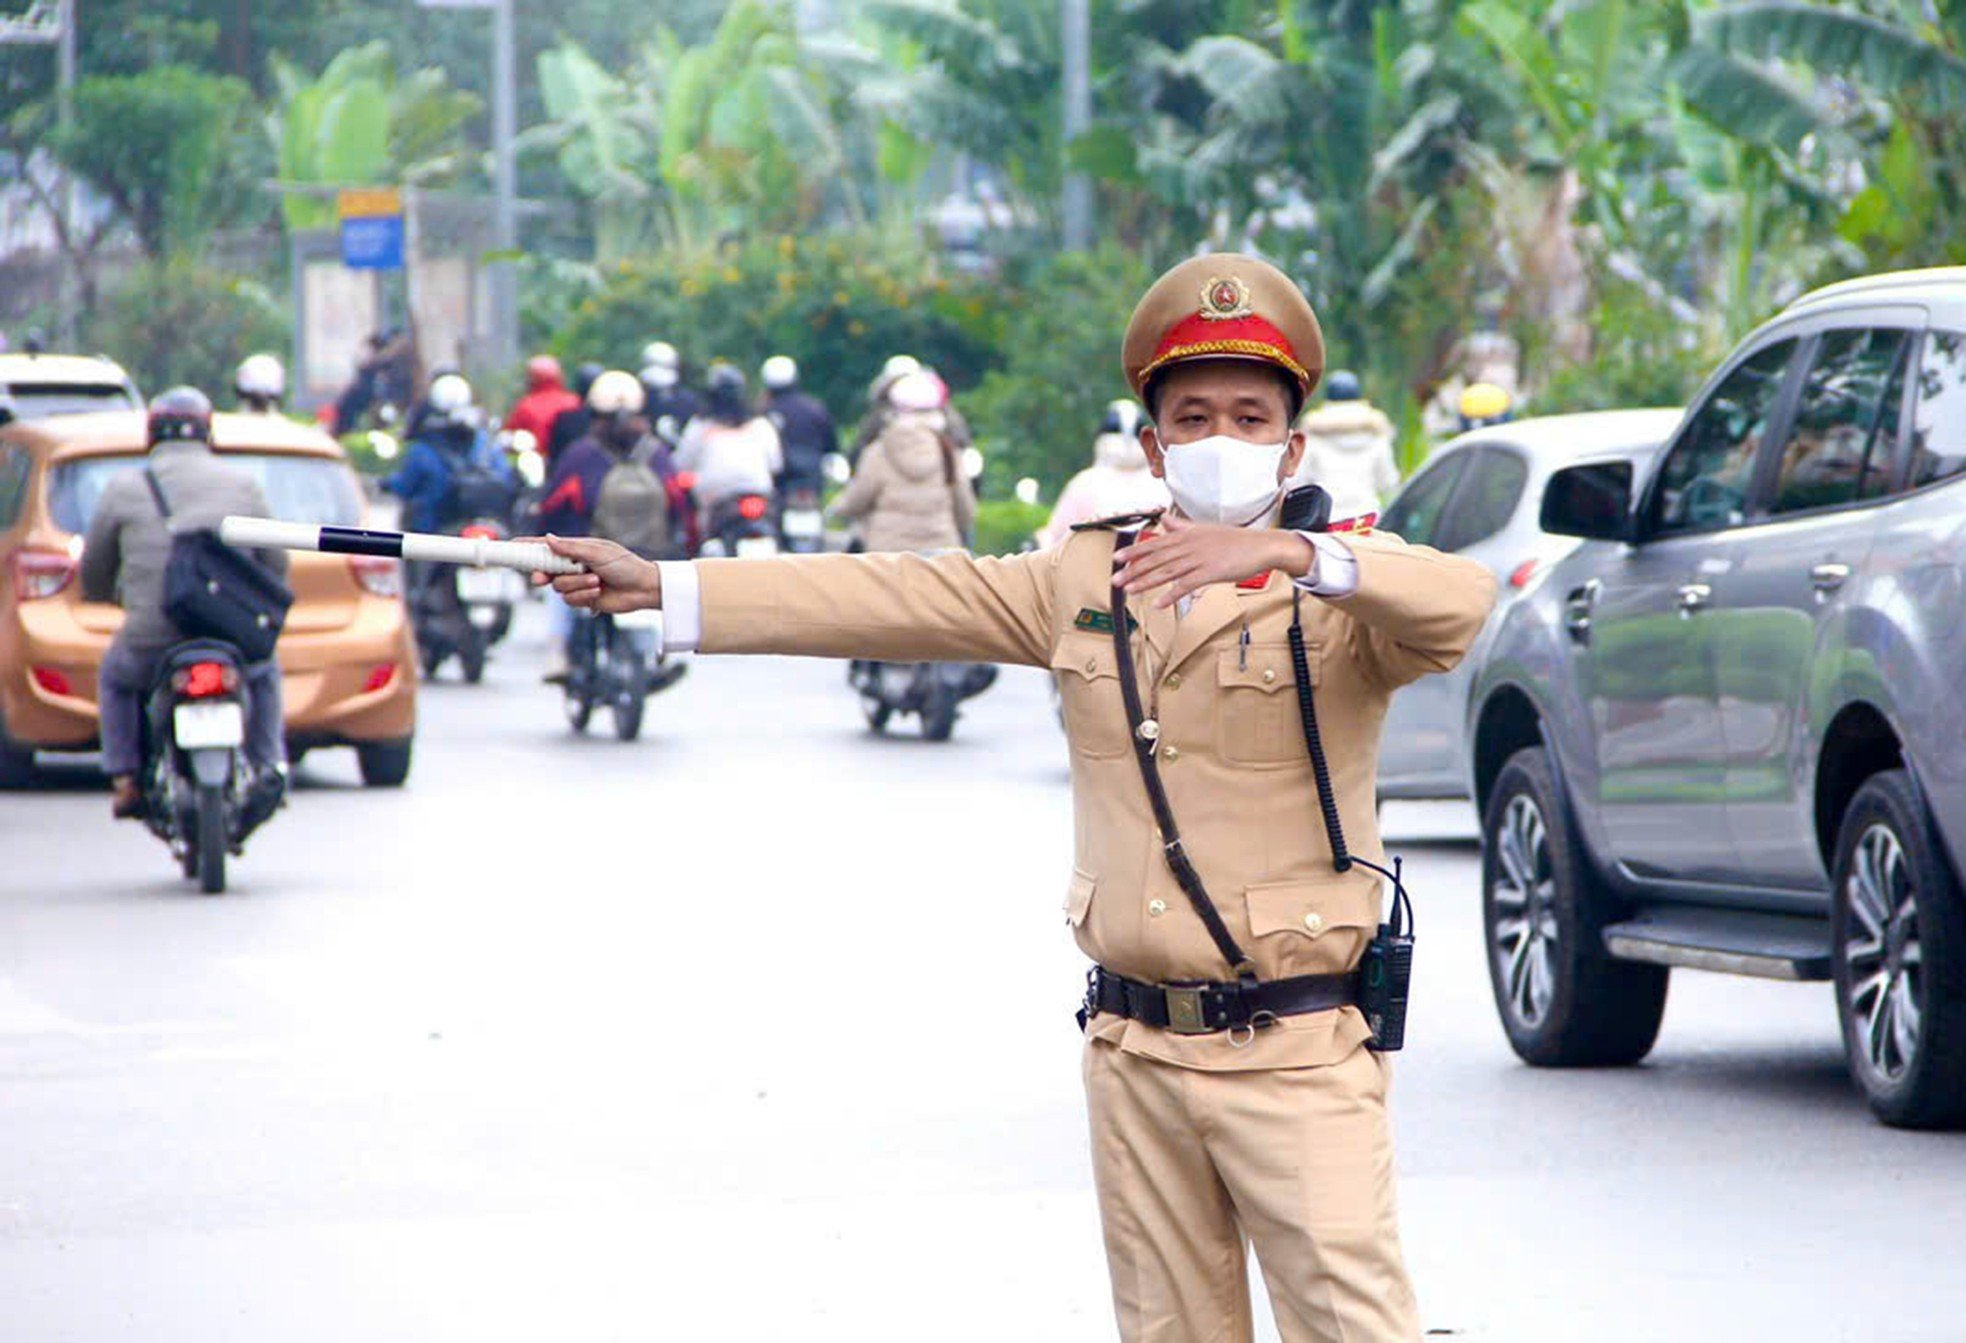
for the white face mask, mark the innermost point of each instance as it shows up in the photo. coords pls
(1223, 479)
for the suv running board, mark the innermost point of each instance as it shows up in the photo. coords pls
(1734, 942)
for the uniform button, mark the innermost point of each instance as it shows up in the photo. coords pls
(1157, 907)
(1269, 675)
(1173, 754)
(1091, 666)
(1174, 680)
(1314, 921)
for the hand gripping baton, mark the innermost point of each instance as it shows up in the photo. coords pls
(477, 551)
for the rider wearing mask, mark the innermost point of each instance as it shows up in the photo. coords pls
(1118, 481)
(730, 449)
(260, 384)
(804, 428)
(880, 406)
(123, 560)
(909, 491)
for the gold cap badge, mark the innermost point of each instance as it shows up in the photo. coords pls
(1224, 298)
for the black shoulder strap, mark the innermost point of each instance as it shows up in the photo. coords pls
(157, 492)
(1144, 741)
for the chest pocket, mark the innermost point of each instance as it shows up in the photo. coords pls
(1089, 688)
(1260, 724)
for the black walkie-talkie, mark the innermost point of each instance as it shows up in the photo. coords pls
(1306, 509)
(1385, 972)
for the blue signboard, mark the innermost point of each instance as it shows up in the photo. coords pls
(372, 243)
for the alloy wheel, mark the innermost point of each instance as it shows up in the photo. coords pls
(1525, 932)
(1884, 954)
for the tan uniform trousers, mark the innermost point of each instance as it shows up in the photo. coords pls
(1298, 1160)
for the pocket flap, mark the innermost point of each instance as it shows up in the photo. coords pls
(1263, 667)
(1088, 656)
(1078, 897)
(1315, 906)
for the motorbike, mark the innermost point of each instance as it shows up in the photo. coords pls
(932, 690)
(462, 612)
(742, 526)
(612, 661)
(198, 786)
(802, 526)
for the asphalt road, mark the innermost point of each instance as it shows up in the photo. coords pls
(579, 1040)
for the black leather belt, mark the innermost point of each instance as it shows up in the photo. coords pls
(1202, 1008)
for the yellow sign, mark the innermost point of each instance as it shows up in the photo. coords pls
(369, 203)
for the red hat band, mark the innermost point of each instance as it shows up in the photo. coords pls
(1248, 337)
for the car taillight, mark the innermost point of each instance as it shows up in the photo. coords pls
(383, 578)
(202, 680)
(1523, 573)
(40, 573)
(751, 507)
(52, 679)
(479, 531)
(383, 674)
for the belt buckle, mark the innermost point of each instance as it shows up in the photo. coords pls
(1184, 1012)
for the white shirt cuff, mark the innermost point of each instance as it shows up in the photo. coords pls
(1334, 575)
(682, 607)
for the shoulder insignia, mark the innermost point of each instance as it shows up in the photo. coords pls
(1360, 525)
(1118, 522)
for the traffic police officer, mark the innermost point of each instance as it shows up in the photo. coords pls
(1202, 1139)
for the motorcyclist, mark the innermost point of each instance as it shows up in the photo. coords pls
(610, 483)
(1349, 449)
(547, 398)
(124, 555)
(383, 379)
(260, 384)
(570, 425)
(805, 430)
(667, 399)
(1483, 404)
(1118, 481)
(909, 491)
(729, 449)
(880, 407)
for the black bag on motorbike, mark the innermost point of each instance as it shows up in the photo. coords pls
(479, 491)
(214, 591)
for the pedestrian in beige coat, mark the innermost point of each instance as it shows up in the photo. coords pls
(909, 492)
(1207, 1137)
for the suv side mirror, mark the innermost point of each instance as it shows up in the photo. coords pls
(1593, 501)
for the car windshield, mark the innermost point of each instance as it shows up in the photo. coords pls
(298, 489)
(37, 401)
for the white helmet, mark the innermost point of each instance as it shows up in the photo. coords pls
(616, 393)
(449, 394)
(920, 390)
(660, 354)
(261, 375)
(779, 372)
(900, 366)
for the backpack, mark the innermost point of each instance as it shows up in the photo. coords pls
(632, 508)
(476, 490)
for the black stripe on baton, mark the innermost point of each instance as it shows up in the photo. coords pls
(360, 541)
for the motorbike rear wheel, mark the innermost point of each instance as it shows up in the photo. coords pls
(471, 657)
(631, 688)
(878, 711)
(211, 838)
(939, 714)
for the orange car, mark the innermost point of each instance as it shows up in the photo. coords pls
(346, 654)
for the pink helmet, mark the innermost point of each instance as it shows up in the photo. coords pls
(921, 390)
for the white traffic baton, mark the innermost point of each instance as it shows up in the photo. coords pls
(476, 551)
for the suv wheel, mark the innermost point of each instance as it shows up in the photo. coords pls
(1562, 1000)
(1900, 947)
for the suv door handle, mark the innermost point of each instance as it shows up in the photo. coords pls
(1829, 577)
(1577, 610)
(1694, 597)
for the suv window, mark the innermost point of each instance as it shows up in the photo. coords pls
(1416, 515)
(1490, 490)
(1938, 426)
(1841, 447)
(15, 467)
(1705, 479)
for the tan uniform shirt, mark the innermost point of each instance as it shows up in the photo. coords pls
(1231, 747)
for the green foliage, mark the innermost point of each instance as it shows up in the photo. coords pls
(171, 147)
(1005, 526)
(182, 322)
(840, 304)
(1645, 354)
(1038, 413)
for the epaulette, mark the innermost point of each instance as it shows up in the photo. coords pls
(1119, 521)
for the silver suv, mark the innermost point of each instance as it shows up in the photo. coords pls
(1729, 731)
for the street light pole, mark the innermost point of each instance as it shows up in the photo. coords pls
(1076, 200)
(65, 116)
(505, 184)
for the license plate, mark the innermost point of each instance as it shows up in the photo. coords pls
(759, 547)
(487, 585)
(197, 726)
(804, 522)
